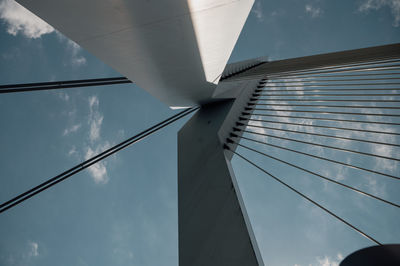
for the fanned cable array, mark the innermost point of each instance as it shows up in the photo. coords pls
(345, 115)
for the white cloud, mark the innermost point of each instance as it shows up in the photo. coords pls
(33, 249)
(73, 49)
(394, 6)
(21, 20)
(298, 86)
(63, 96)
(257, 129)
(72, 151)
(314, 12)
(327, 261)
(93, 101)
(95, 119)
(71, 129)
(98, 171)
(94, 144)
(384, 164)
(76, 59)
(257, 10)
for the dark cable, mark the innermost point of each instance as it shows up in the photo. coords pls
(318, 144)
(307, 198)
(332, 85)
(261, 72)
(347, 66)
(317, 75)
(330, 106)
(318, 157)
(323, 90)
(318, 175)
(52, 181)
(61, 84)
(328, 127)
(340, 75)
(327, 136)
(350, 65)
(322, 112)
(329, 80)
(345, 70)
(327, 119)
(327, 100)
(330, 94)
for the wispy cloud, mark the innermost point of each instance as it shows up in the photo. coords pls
(33, 249)
(327, 261)
(93, 144)
(95, 119)
(27, 254)
(20, 20)
(314, 12)
(63, 96)
(71, 129)
(98, 171)
(394, 6)
(258, 11)
(121, 235)
(76, 58)
(72, 151)
(74, 50)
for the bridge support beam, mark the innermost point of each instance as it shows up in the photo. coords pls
(214, 228)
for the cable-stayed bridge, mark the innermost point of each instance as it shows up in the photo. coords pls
(343, 104)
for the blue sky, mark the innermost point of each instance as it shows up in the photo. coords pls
(124, 210)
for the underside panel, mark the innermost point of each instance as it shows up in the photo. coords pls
(174, 49)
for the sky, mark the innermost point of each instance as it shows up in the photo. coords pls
(123, 211)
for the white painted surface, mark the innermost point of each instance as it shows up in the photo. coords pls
(175, 49)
